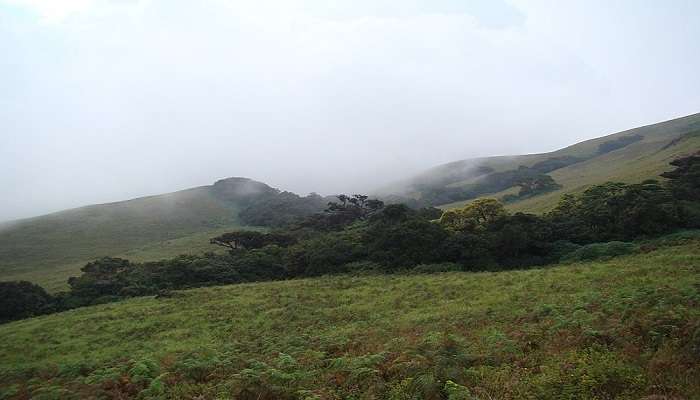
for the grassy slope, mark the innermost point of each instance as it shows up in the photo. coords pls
(49, 248)
(639, 161)
(625, 328)
(55, 278)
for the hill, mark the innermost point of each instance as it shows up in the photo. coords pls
(627, 328)
(630, 156)
(49, 248)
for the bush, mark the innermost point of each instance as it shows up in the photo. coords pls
(23, 299)
(562, 248)
(598, 251)
(434, 268)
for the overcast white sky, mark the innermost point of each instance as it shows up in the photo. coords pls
(102, 100)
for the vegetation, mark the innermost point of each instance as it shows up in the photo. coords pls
(574, 168)
(51, 248)
(626, 328)
(360, 233)
(530, 181)
(618, 143)
(371, 324)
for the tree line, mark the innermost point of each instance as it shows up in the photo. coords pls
(358, 234)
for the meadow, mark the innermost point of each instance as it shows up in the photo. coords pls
(624, 328)
(54, 277)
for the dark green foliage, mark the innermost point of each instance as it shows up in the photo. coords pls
(554, 163)
(530, 180)
(618, 143)
(532, 185)
(404, 243)
(429, 213)
(354, 207)
(251, 240)
(598, 251)
(470, 250)
(684, 181)
(521, 239)
(21, 299)
(561, 248)
(616, 211)
(281, 209)
(434, 268)
(325, 254)
(106, 276)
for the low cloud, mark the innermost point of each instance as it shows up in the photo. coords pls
(105, 100)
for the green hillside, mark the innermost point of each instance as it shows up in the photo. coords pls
(628, 328)
(595, 161)
(50, 248)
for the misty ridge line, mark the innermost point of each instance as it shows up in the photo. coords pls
(466, 167)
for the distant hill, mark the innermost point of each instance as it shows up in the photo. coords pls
(49, 248)
(629, 156)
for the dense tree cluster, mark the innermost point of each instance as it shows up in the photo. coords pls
(530, 180)
(281, 209)
(622, 141)
(357, 233)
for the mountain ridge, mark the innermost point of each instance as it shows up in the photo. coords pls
(649, 148)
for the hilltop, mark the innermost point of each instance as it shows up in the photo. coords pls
(49, 248)
(630, 156)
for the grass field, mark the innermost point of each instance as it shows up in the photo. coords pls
(627, 328)
(49, 249)
(54, 279)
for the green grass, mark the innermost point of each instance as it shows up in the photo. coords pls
(626, 328)
(55, 278)
(634, 163)
(49, 249)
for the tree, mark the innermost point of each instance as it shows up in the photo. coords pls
(251, 240)
(520, 239)
(404, 243)
(239, 239)
(106, 276)
(356, 207)
(684, 181)
(22, 299)
(615, 211)
(648, 209)
(475, 216)
(281, 209)
(536, 184)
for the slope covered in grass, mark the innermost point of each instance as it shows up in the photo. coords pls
(627, 328)
(644, 157)
(49, 248)
(54, 277)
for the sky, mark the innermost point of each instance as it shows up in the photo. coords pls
(105, 100)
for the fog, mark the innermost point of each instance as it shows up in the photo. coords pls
(107, 100)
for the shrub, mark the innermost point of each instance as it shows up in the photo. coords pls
(598, 251)
(433, 268)
(562, 248)
(23, 299)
